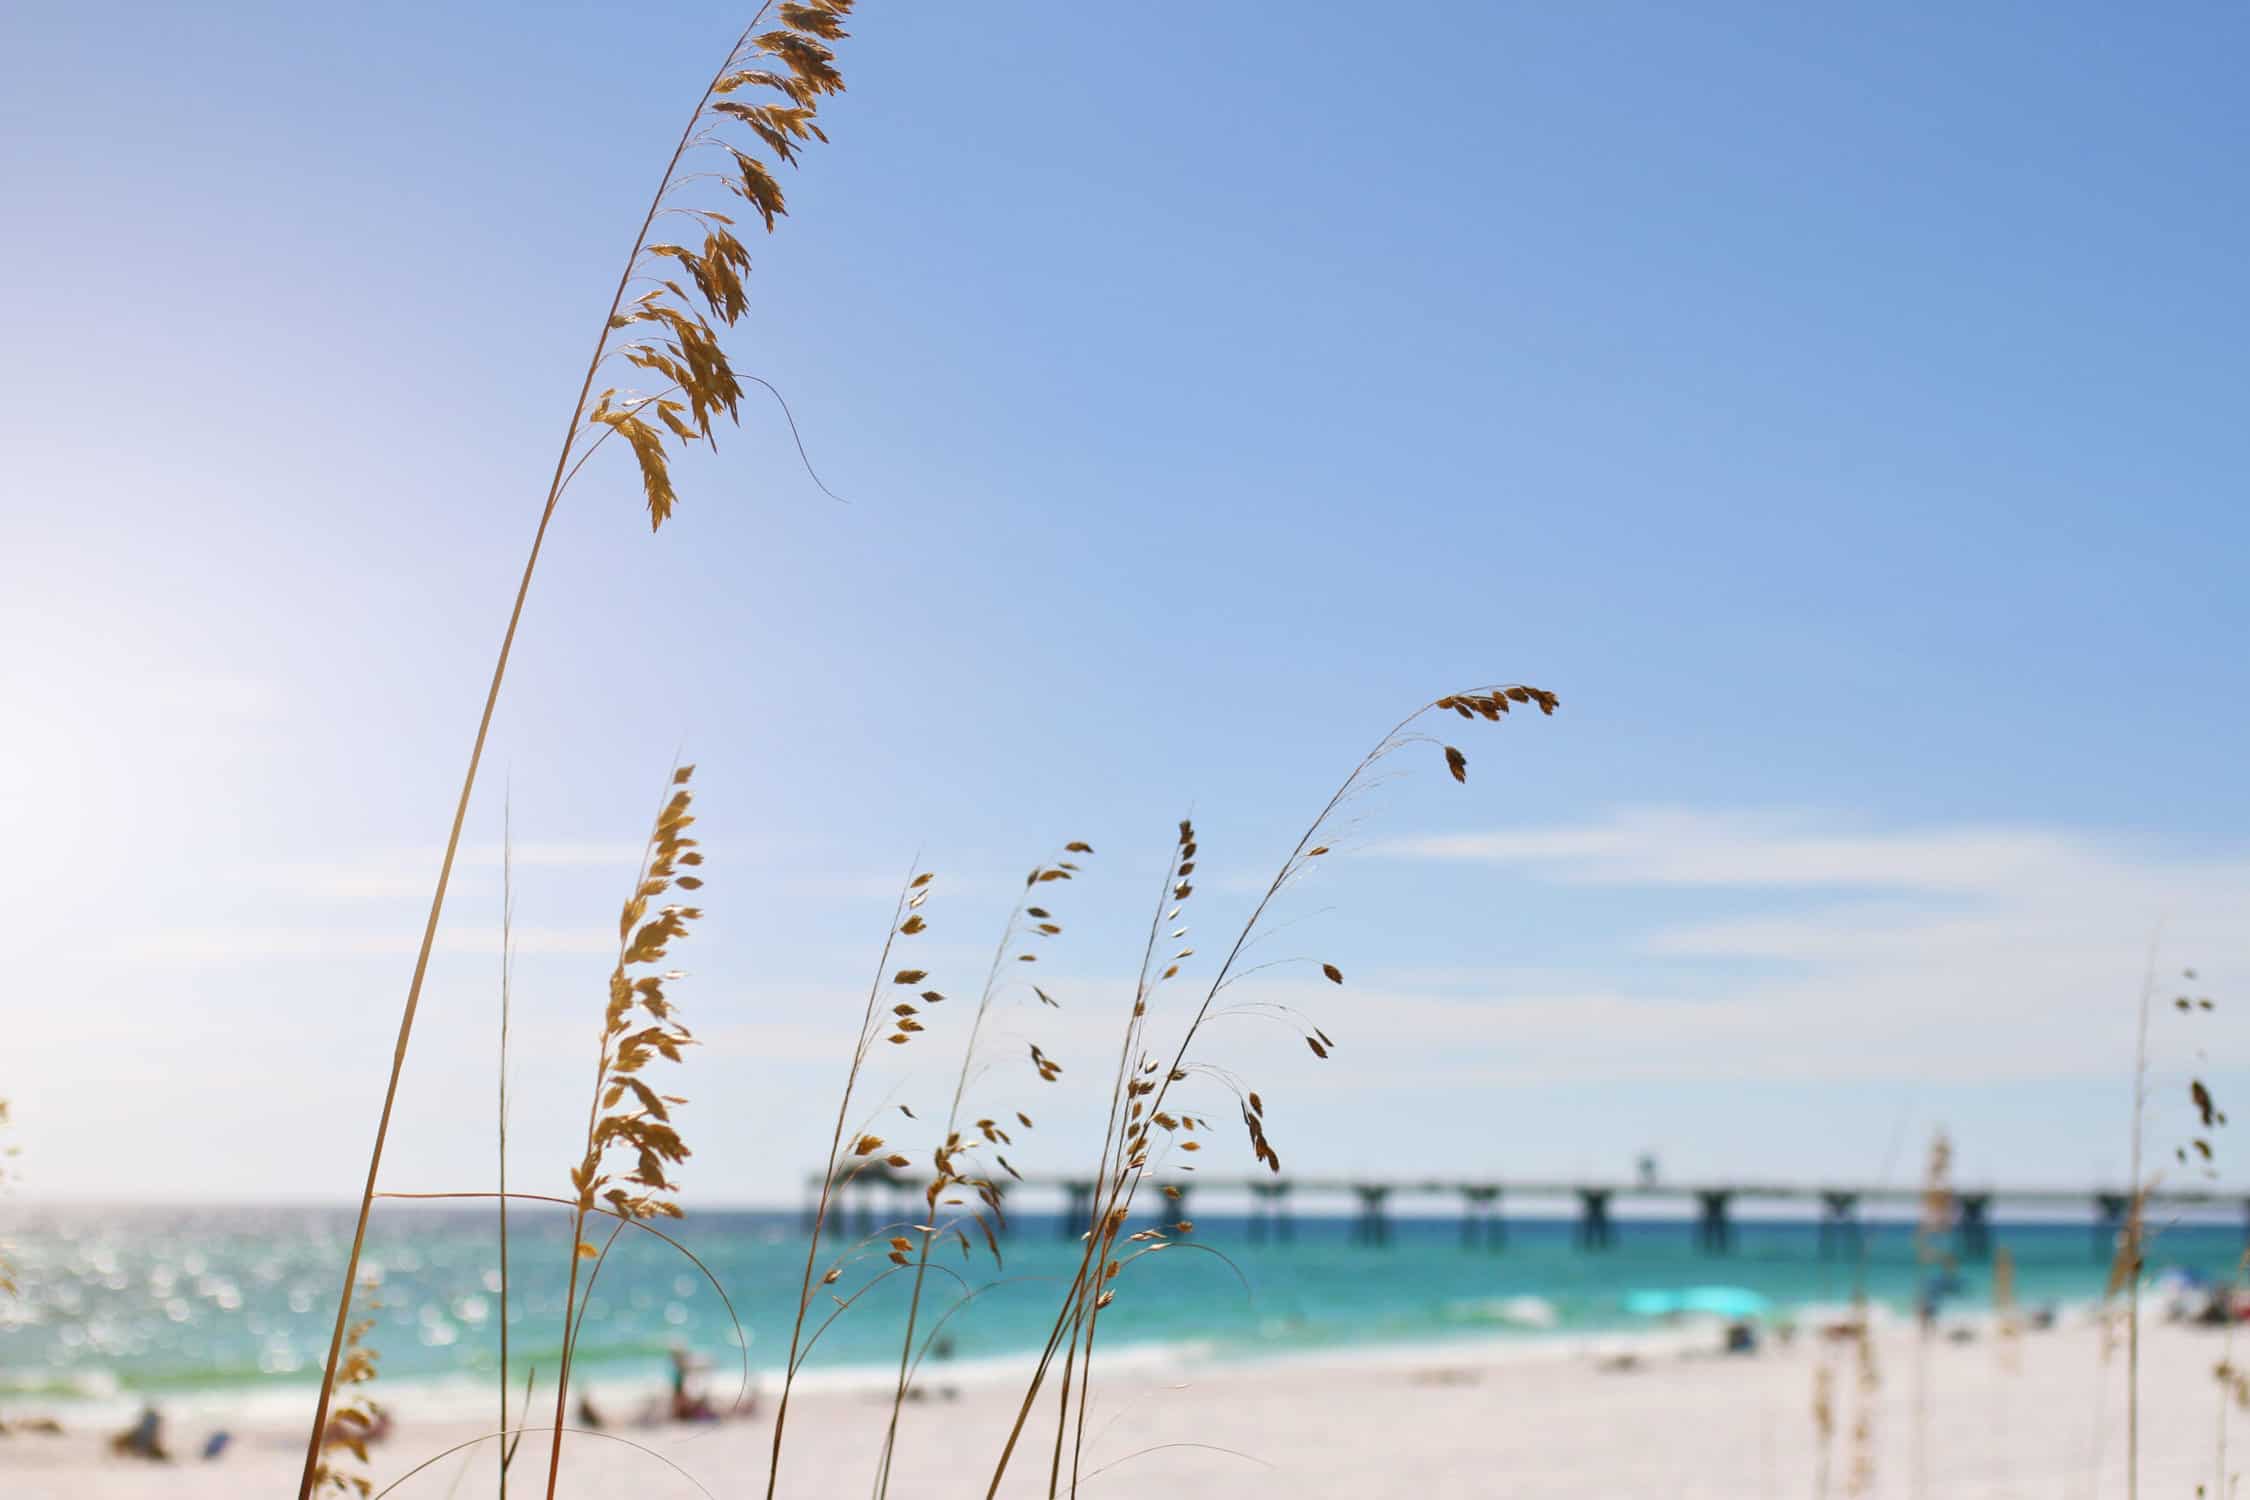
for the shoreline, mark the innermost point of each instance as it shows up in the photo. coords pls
(462, 1396)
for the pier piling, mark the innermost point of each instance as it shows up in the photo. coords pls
(1839, 1222)
(1972, 1226)
(1594, 1229)
(1078, 1209)
(1714, 1232)
(1480, 1218)
(2109, 1222)
(1372, 1227)
(1269, 1210)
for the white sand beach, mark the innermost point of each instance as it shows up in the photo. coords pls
(1555, 1419)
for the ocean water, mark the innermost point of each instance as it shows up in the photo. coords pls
(122, 1305)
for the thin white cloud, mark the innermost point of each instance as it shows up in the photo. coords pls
(1956, 953)
(1669, 846)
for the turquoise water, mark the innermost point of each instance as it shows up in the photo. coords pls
(148, 1301)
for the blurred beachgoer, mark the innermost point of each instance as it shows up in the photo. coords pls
(2215, 1307)
(144, 1439)
(942, 1350)
(216, 1444)
(689, 1401)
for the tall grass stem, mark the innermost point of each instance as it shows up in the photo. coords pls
(468, 786)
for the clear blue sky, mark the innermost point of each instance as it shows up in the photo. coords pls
(1840, 409)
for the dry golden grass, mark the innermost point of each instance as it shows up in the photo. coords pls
(2125, 1269)
(507, 1449)
(632, 1144)
(956, 1161)
(1930, 1249)
(765, 93)
(1144, 1129)
(356, 1414)
(2136, 1234)
(627, 1118)
(1141, 1129)
(757, 113)
(2199, 1154)
(846, 1161)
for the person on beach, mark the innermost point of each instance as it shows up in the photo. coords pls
(144, 1439)
(689, 1402)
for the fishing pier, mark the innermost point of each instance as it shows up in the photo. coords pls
(882, 1195)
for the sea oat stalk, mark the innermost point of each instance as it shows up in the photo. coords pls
(639, 1026)
(1929, 1250)
(907, 920)
(1150, 1082)
(356, 1415)
(683, 350)
(1027, 925)
(507, 978)
(2130, 1251)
